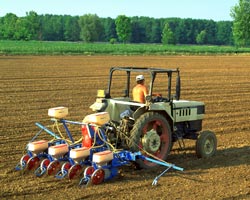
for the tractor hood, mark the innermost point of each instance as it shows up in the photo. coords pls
(184, 110)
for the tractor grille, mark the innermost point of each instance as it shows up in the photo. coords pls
(185, 112)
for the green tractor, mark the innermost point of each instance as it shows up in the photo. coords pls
(152, 127)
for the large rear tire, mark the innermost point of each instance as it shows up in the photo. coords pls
(151, 134)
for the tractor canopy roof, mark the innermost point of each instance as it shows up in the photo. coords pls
(143, 69)
(121, 77)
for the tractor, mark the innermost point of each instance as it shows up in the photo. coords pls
(121, 131)
(152, 127)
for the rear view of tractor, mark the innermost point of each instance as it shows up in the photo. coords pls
(153, 127)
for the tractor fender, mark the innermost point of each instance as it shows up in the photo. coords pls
(164, 108)
(139, 112)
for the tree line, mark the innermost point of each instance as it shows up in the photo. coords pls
(91, 28)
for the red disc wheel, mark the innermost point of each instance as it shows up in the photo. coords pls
(89, 171)
(53, 167)
(24, 160)
(33, 163)
(66, 166)
(97, 177)
(75, 171)
(45, 163)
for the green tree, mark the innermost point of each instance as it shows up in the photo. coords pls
(71, 28)
(32, 25)
(90, 28)
(8, 27)
(174, 25)
(123, 28)
(180, 32)
(185, 31)
(167, 35)
(1, 30)
(211, 30)
(22, 32)
(241, 26)
(189, 31)
(52, 28)
(201, 37)
(156, 32)
(27, 28)
(148, 22)
(224, 33)
(137, 31)
(108, 29)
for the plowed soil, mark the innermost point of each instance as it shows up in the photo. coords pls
(29, 85)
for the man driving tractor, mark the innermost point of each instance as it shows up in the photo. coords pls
(140, 90)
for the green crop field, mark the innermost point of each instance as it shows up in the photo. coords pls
(80, 48)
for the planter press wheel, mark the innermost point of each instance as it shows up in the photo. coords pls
(74, 171)
(33, 163)
(66, 166)
(97, 177)
(45, 163)
(53, 167)
(151, 134)
(87, 175)
(89, 171)
(206, 144)
(24, 160)
(43, 167)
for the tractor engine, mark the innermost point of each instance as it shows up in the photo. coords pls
(118, 134)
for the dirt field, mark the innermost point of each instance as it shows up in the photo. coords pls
(30, 85)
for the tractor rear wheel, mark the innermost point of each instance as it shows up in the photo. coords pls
(206, 144)
(151, 134)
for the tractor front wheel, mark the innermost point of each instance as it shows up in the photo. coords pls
(151, 134)
(206, 144)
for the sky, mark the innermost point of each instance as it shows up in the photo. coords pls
(217, 10)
